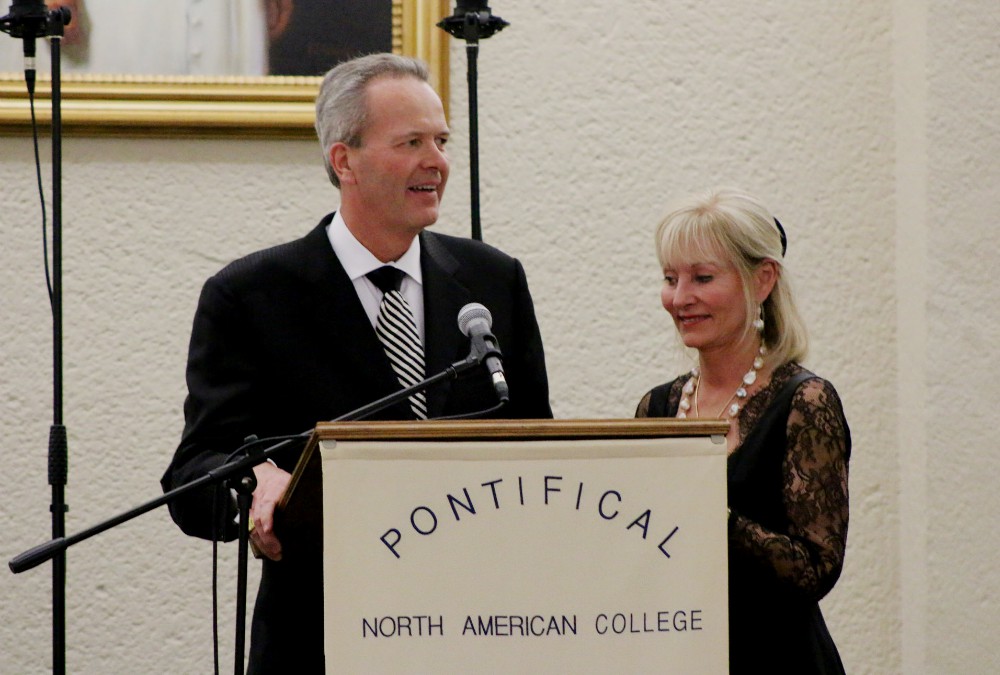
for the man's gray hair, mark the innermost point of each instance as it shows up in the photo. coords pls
(341, 106)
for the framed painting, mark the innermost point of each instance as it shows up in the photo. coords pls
(244, 68)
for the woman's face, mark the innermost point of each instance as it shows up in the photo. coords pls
(707, 304)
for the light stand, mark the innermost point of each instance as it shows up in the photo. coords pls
(29, 20)
(472, 22)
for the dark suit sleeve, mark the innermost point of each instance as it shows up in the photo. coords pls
(217, 410)
(525, 360)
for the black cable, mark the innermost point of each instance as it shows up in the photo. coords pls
(473, 415)
(41, 196)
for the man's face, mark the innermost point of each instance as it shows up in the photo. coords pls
(397, 176)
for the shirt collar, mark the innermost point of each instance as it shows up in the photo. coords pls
(359, 261)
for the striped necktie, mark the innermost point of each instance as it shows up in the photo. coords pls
(397, 332)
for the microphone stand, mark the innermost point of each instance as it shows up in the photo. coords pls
(238, 475)
(473, 21)
(28, 20)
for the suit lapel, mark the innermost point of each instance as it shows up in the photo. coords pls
(444, 296)
(345, 328)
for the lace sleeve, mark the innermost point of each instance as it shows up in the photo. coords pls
(642, 410)
(810, 555)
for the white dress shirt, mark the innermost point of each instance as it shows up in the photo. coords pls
(359, 261)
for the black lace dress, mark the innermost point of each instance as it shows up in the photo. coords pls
(787, 484)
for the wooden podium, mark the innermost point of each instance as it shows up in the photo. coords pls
(517, 545)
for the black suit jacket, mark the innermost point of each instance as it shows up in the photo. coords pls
(281, 341)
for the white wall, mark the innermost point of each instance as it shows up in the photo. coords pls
(870, 128)
(962, 327)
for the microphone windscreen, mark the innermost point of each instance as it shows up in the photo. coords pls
(470, 313)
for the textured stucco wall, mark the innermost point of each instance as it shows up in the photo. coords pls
(962, 327)
(870, 128)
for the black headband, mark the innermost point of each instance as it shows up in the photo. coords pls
(784, 239)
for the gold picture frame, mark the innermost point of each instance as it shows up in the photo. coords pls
(193, 106)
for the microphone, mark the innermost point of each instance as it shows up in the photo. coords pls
(475, 322)
(29, 62)
(27, 20)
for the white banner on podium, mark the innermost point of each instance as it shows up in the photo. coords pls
(525, 556)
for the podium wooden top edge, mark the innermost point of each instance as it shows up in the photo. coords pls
(455, 430)
(486, 430)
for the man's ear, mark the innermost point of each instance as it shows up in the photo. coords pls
(340, 160)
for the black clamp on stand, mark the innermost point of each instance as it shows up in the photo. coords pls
(473, 21)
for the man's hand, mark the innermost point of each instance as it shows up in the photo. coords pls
(271, 484)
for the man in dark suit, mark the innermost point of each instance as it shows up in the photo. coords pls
(285, 337)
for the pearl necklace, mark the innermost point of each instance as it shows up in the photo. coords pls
(731, 407)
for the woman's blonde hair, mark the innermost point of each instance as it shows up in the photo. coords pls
(729, 227)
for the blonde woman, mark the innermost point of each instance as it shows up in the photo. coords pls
(724, 285)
